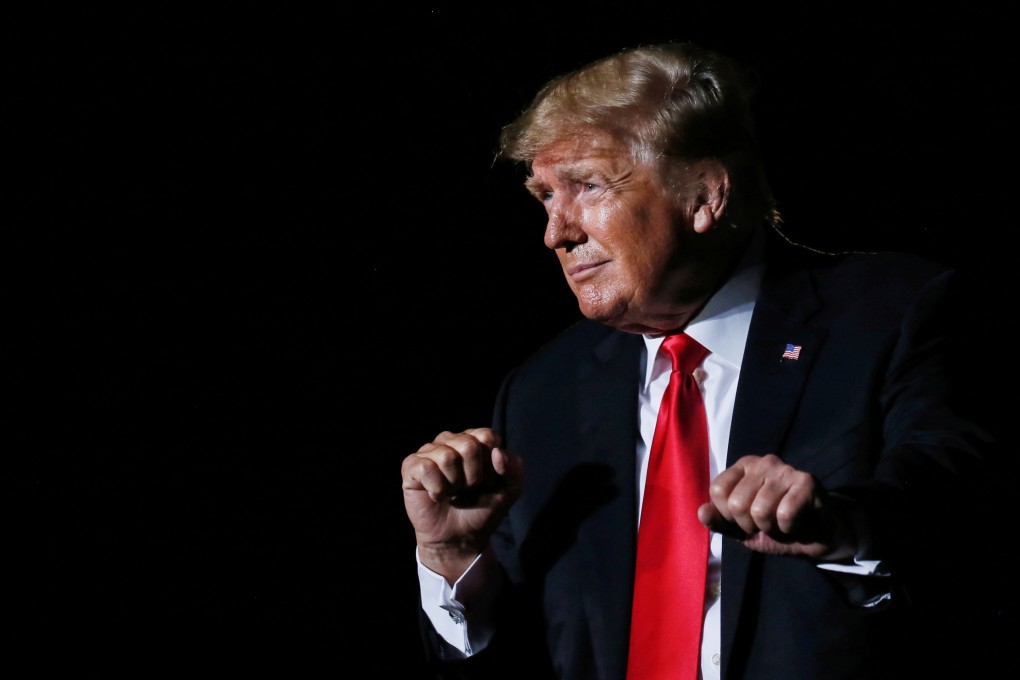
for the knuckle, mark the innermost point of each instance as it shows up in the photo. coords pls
(444, 436)
(802, 478)
(484, 435)
(416, 463)
(737, 506)
(445, 457)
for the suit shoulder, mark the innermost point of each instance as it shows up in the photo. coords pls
(893, 265)
(582, 339)
(890, 277)
(890, 265)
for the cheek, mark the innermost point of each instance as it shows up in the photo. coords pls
(603, 221)
(631, 234)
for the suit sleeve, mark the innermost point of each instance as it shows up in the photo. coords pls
(934, 445)
(516, 648)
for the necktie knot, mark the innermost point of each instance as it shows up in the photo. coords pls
(685, 352)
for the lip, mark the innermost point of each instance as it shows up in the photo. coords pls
(583, 271)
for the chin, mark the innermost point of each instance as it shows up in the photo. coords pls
(611, 316)
(604, 304)
(622, 317)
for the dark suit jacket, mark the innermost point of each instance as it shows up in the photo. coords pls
(871, 408)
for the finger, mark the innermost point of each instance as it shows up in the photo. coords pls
(740, 499)
(421, 472)
(709, 515)
(449, 461)
(798, 504)
(766, 503)
(754, 499)
(720, 489)
(469, 456)
(510, 468)
(485, 435)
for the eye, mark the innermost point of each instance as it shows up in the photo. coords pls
(546, 196)
(590, 186)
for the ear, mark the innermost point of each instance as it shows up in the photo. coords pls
(713, 195)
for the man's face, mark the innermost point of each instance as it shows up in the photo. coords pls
(627, 249)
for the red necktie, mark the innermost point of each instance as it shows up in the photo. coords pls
(672, 553)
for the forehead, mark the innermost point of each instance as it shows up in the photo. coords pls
(595, 148)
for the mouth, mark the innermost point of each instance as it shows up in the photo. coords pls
(579, 272)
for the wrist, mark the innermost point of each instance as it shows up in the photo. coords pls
(448, 560)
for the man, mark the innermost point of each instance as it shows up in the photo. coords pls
(837, 444)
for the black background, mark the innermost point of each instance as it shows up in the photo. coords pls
(258, 255)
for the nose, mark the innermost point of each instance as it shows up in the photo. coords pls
(563, 229)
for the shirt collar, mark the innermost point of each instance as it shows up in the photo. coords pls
(722, 325)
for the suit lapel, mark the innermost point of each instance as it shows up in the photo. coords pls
(767, 395)
(608, 428)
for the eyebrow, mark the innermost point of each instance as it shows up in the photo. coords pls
(578, 172)
(534, 186)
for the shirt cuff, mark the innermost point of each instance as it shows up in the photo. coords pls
(462, 613)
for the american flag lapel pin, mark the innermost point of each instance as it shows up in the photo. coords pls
(792, 352)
